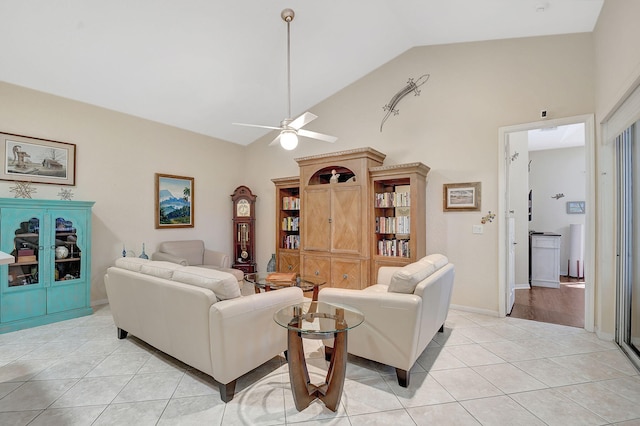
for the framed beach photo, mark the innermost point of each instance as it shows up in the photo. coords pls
(36, 160)
(461, 197)
(575, 207)
(174, 201)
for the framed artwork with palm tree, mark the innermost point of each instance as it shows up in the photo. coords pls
(174, 201)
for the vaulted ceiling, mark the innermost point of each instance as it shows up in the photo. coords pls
(202, 64)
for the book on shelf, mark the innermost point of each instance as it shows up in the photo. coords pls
(291, 242)
(393, 225)
(290, 223)
(401, 197)
(394, 248)
(291, 203)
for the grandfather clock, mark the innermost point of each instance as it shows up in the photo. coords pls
(244, 241)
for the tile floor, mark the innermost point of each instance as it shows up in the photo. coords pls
(481, 370)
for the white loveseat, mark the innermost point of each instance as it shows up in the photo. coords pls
(402, 312)
(193, 253)
(198, 316)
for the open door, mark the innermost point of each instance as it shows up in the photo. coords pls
(511, 265)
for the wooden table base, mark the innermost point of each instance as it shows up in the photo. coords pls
(330, 391)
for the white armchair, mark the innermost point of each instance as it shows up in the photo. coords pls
(402, 313)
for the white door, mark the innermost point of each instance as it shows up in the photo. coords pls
(511, 265)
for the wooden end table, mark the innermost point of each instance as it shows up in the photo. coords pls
(317, 320)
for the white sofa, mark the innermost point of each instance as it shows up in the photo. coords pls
(198, 316)
(193, 253)
(402, 312)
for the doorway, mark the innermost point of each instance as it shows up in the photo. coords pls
(517, 207)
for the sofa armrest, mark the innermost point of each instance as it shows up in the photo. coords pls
(244, 334)
(216, 258)
(391, 324)
(158, 255)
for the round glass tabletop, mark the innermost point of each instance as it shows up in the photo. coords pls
(318, 319)
(261, 280)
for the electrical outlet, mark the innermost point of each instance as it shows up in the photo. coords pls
(477, 229)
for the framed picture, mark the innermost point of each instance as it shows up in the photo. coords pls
(37, 160)
(174, 201)
(575, 207)
(461, 197)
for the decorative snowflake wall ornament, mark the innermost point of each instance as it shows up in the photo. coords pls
(65, 194)
(23, 189)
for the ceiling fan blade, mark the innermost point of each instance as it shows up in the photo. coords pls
(276, 141)
(316, 135)
(258, 125)
(302, 120)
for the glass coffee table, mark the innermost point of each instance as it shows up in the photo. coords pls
(317, 320)
(260, 282)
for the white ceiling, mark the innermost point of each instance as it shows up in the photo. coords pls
(567, 136)
(202, 64)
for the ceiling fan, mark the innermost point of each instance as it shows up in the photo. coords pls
(291, 128)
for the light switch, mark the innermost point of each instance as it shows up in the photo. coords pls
(477, 229)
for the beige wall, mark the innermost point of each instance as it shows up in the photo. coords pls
(617, 73)
(452, 127)
(117, 157)
(474, 89)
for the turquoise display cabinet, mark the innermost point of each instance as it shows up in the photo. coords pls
(50, 279)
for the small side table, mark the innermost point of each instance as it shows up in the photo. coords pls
(259, 281)
(317, 320)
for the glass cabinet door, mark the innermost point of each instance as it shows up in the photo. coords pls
(25, 245)
(66, 250)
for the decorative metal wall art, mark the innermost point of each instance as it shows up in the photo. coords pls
(412, 86)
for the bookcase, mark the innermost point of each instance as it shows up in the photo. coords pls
(50, 279)
(399, 219)
(348, 214)
(287, 224)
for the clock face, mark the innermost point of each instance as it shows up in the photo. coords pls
(243, 209)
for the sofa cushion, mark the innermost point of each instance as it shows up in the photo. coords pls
(131, 263)
(224, 285)
(160, 268)
(407, 278)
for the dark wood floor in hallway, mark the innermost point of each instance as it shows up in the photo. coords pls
(564, 305)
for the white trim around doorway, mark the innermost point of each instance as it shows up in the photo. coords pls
(589, 270)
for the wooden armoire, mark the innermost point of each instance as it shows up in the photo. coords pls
(328, 220)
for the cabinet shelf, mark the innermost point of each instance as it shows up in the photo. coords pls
(399, 219)
(288, 206)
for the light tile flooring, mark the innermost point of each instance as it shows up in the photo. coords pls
(481, 370)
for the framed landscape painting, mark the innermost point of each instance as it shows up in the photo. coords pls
(174, 201)
(461, 196)
(37, 160)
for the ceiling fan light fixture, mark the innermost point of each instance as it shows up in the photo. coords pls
(288, 139)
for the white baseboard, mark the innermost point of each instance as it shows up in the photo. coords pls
(100, 302)
(522, 286)
(604, 336)
(475, 310)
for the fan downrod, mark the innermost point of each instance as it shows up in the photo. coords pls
(287, 15)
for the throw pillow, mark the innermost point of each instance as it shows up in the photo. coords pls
(224, 285)
(407, 278)
(438, 260)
